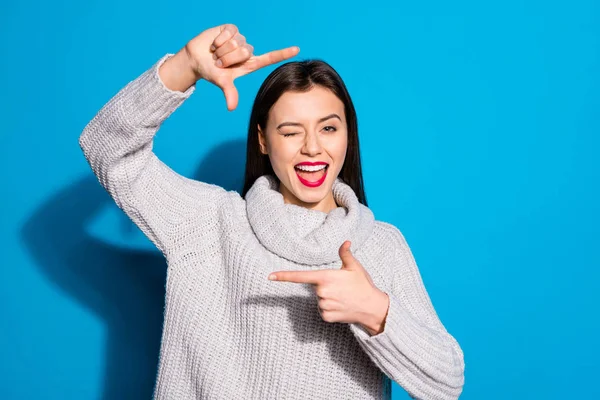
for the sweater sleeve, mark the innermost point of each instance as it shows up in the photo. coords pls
(414, 349)
(117, 143)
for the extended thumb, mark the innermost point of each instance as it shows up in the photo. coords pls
(231, 96)
(345, 253)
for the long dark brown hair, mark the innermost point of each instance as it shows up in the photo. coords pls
(301, 76)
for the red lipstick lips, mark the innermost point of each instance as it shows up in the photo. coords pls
(308, 183)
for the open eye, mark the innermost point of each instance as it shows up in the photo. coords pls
(330, 128)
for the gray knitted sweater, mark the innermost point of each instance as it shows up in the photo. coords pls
(229, 332)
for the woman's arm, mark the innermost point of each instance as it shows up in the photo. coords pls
(414, 349)
(118, 143)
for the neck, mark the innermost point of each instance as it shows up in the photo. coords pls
(325, 205)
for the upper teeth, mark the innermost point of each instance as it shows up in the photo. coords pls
(311, 168)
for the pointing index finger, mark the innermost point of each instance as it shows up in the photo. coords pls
(273, 57)
(314, 277)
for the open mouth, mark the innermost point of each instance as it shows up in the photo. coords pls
(312, 175)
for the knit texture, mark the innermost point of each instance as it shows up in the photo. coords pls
(229, 332)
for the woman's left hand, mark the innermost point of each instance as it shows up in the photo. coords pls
(345, 295)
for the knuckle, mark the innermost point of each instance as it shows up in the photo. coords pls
(224, 61)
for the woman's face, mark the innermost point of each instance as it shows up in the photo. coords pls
(306, 128)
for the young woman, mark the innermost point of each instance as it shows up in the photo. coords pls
(346, 311)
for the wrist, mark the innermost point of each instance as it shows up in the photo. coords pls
(190, 62)
(177, 73)
(378, 313)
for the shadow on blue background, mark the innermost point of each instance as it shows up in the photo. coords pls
(125, 286)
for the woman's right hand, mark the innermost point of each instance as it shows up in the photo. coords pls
(221, 54)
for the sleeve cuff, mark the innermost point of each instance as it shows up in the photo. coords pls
(406, 337)
(152, 101)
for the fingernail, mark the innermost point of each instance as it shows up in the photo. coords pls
(214, 56)
(272, 277)
(219, 63)
(212, 47)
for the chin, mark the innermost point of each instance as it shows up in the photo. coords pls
(311, 195)
(310, 199)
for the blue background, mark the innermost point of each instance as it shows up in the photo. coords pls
(479, 130)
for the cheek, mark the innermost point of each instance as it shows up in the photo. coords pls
(283, 153)
(339, 148)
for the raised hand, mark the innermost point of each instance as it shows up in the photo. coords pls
(345, 295)
(221, 54)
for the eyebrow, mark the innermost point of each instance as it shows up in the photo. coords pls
(334, 115)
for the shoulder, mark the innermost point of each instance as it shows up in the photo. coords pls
(390, 239)
(381, 253)
(385, 242)
(388, 235)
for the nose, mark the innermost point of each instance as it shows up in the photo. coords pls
(312, 145)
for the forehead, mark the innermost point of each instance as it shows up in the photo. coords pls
(307, 106)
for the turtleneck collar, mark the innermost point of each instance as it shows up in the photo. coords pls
(302, 235)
